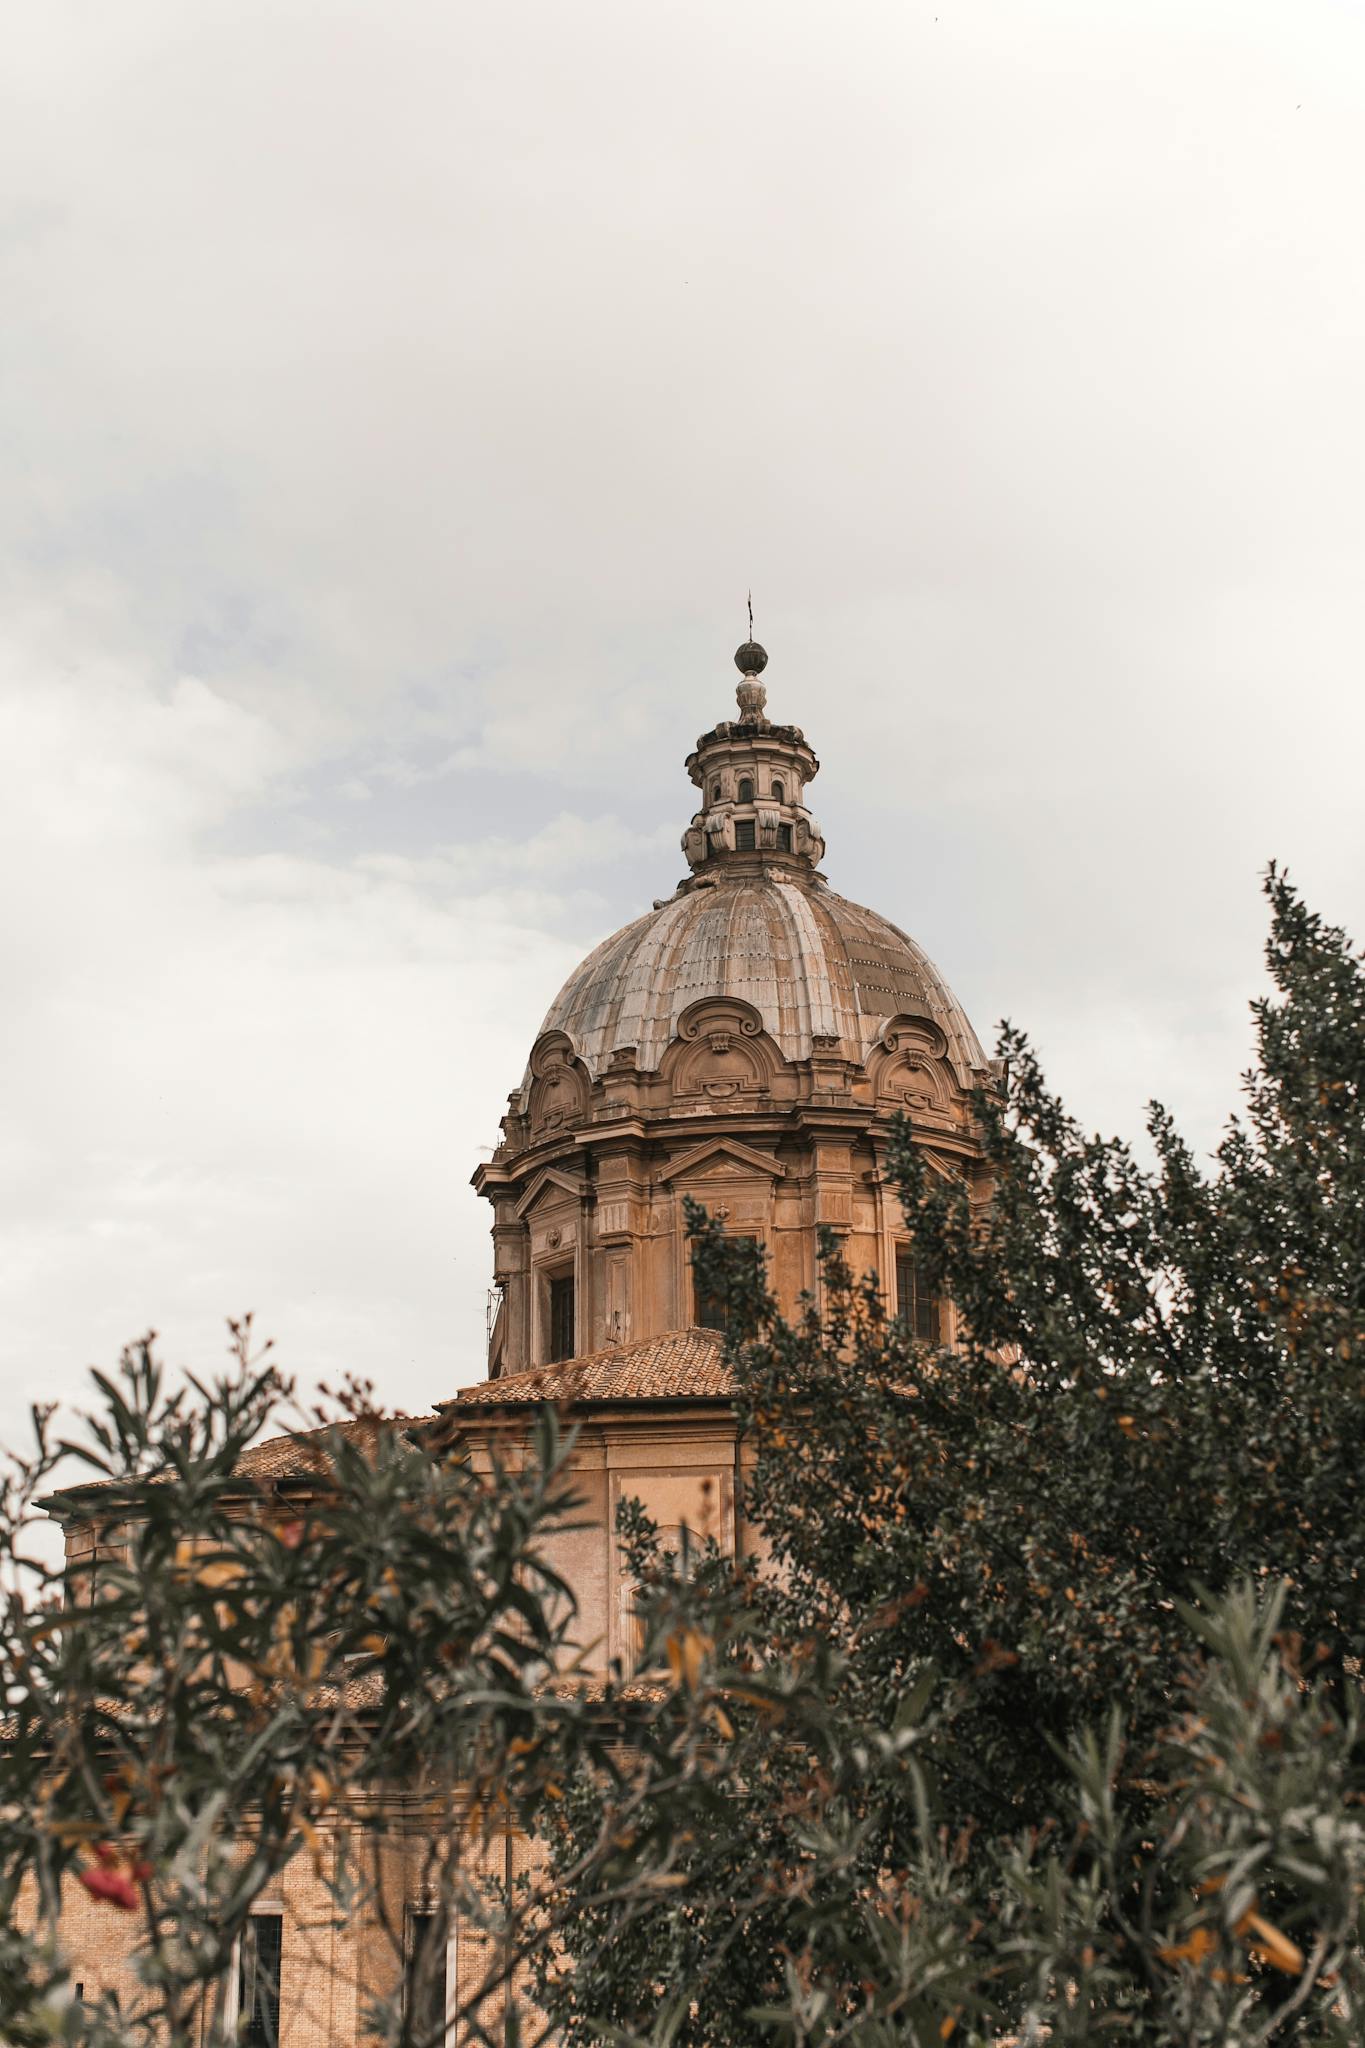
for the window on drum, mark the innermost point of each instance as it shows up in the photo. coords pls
(710, 1307)
(916, 1307)
(562, 1333)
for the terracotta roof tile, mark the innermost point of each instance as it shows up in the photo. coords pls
(293, 1456)
(685, 1365)
(305, 1450)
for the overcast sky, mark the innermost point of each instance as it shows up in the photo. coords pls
(396, 403)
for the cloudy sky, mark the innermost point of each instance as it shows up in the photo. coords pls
(396, 403)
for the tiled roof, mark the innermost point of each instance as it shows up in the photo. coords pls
(305, 1450)
(295, 1456)
(686, 1365)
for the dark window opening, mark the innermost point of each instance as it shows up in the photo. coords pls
(916, 1307)
(710, 1312)
(745, 841)
(715, 792)
(746, 791)
(561, 1317)
(779, 793)
(784, 838)
(258, 1988)
(424, 1979)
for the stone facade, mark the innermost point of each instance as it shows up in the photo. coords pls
(654, 1424)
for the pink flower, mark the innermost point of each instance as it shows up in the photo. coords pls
(114, 1886)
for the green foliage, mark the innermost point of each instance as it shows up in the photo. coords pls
(240, 1678)
(1150, 1433)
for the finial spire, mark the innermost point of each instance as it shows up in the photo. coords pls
(751, 660)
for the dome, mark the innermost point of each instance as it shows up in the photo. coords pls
(810, 962)
(745, 1045)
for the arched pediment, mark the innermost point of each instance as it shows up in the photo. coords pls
(560, 1091)
(721, 1053)
(908, 1069)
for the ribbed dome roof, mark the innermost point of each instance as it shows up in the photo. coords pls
(810, 962)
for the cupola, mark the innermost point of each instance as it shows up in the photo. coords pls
(753, 777)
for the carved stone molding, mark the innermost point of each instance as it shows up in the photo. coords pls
(560, 1092)
(727, 1011)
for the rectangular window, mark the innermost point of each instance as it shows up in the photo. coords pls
(561, 1317)
(744, 835)
(784, 838)
(424, 1979)
(710, 1310)
(914, 1304)
(258, 1986)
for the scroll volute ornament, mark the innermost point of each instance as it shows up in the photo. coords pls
(810, 840)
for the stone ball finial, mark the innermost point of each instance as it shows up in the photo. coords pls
(751, 659)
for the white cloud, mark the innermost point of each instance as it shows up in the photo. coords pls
(398, 403)
(247, 1080)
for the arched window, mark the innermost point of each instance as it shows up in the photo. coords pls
(779, 793)
(715, 792)
(746, 791)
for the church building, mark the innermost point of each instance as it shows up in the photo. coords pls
(746, 1042)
